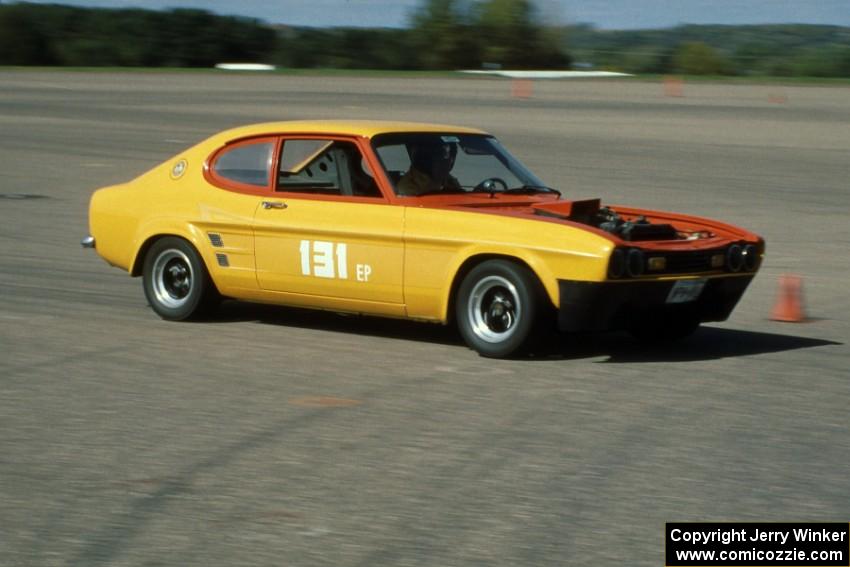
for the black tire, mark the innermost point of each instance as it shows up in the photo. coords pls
(498, 308)
(663, 329)
(176, 282)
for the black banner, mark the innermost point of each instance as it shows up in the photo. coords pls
(757, 544)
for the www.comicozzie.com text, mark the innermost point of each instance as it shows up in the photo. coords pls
(743, 534)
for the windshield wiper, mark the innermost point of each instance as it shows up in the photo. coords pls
(532, 189)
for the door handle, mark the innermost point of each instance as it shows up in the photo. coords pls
(274, 205)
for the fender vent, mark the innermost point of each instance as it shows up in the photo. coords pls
(222, 260)
(215, 239)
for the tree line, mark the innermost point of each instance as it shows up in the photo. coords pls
(441, 35)
(38, 34)
(444, 34)
(756, 50)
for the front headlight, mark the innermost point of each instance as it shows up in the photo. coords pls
(635, 263)
(751, 257)
(617, 264)
(734, 258)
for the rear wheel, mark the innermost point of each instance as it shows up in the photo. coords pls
(176, 282)
(498, 306)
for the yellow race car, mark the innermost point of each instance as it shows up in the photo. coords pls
(421, 221)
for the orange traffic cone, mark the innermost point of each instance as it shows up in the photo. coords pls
(673, 86)
(521, 88)
(789, 302)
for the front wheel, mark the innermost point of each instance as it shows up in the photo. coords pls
(175, 280)
(498, 306)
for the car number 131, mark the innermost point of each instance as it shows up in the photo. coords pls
(324, 259)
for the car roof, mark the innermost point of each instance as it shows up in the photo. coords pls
(366, 128)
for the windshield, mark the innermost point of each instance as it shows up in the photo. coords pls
(421, 164)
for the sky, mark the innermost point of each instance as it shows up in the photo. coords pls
(604, 14)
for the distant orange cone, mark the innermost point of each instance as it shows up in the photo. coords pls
(789, 302)
(673, 86)
(521, 88)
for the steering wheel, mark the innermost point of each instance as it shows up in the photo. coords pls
(490, 185)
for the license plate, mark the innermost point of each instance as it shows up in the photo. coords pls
(684, 291)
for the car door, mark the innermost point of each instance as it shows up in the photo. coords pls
(327, 236)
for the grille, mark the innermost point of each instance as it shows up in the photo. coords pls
(684, 262)
(215, 240)
(222, 260)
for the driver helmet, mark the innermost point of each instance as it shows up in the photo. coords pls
(424, 155)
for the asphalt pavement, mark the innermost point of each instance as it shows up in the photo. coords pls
(274, 436)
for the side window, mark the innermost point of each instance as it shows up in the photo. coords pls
(248, 164)
(324, 167)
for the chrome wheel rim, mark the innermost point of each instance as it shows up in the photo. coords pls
(494, 309)
(172, 278)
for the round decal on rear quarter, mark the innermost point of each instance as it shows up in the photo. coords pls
(179, 169)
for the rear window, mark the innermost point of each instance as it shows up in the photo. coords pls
(248, 164)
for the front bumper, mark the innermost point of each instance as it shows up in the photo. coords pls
(603, 306)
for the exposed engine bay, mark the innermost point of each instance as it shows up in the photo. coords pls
(632, 230)
(639, 228)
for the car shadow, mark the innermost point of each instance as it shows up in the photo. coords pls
(235, 311)
(708, 343)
